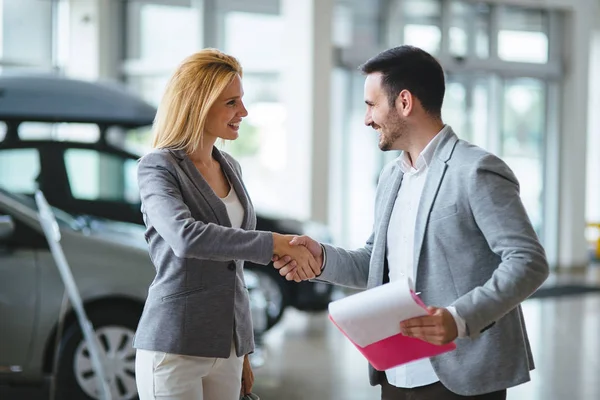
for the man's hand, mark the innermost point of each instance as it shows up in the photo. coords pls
(438, 327)
(305, 266)
(247, 377)
(287, 265)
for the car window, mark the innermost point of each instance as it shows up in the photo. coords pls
(78, 132)
(19, 169)
(94, 175)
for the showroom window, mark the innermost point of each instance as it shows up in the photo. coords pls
(499, 73)
(501, 70)
(159, 36)
(256, 39)
(522, 35)
(251, 31)
(422, 26)
(26, 34)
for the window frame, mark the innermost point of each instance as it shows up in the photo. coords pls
(551, 73)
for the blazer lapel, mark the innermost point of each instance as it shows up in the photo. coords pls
(238, 186)
(389, 198)
(217, 206)
(435, 176)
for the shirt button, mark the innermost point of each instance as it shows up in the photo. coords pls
(231, 266)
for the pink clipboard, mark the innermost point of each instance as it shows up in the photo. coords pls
(398, 349)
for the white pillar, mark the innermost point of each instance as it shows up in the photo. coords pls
(307, 96)
(95, 39)
(572, 247)
(211, 22)
(593, 147)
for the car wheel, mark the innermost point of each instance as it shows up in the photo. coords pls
(275, 294)
(114, 329)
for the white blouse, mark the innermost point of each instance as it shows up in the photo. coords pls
(234, 208)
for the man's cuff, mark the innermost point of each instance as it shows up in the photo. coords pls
(460, 323)
(324, 257)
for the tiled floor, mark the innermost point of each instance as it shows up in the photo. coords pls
(309, 359)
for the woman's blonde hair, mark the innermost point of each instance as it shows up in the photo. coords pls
(189, 95)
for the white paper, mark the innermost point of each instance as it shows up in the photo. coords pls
(375, 314)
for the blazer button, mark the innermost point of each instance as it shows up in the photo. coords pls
(231, 266)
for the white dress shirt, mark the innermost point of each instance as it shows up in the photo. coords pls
(400, 253)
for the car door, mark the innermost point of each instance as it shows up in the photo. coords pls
(19, 292)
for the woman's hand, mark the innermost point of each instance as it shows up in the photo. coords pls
(247, 377)
(307, 266)
(287, 266)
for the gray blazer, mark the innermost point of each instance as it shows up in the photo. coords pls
(475, 249)
(198, 302)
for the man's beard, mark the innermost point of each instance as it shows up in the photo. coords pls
(396, 128)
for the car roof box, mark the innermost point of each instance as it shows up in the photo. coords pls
(52, 98)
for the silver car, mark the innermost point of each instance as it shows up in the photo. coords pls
(112, 269)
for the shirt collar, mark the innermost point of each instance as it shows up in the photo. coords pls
(426, 155)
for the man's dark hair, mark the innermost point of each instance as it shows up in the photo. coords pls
(410, 68)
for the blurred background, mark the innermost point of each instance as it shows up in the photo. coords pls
(79, 83)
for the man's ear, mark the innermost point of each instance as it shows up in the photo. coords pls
(404, 103)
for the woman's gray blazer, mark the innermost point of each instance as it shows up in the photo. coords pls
(198, 302)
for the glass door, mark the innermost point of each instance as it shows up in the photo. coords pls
(467, 108)
(505, 116)
(523, 140)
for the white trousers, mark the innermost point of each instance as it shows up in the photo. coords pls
(166, 376)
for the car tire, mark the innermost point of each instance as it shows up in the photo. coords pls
(275, 292)
(114, 327)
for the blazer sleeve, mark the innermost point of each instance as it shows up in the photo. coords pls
(188, 238)
(494, 199)
(348, 268)
(351, 268)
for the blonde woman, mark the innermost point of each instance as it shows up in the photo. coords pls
(196, 330)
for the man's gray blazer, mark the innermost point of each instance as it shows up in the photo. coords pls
(198, 302)
(475, 249)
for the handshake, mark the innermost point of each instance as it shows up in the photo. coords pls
(298, 258)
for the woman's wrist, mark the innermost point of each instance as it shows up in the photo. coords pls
(276, 243)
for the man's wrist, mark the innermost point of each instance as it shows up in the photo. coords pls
(461, 326)
(323, 258)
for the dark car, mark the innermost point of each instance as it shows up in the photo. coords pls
(66, 137)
